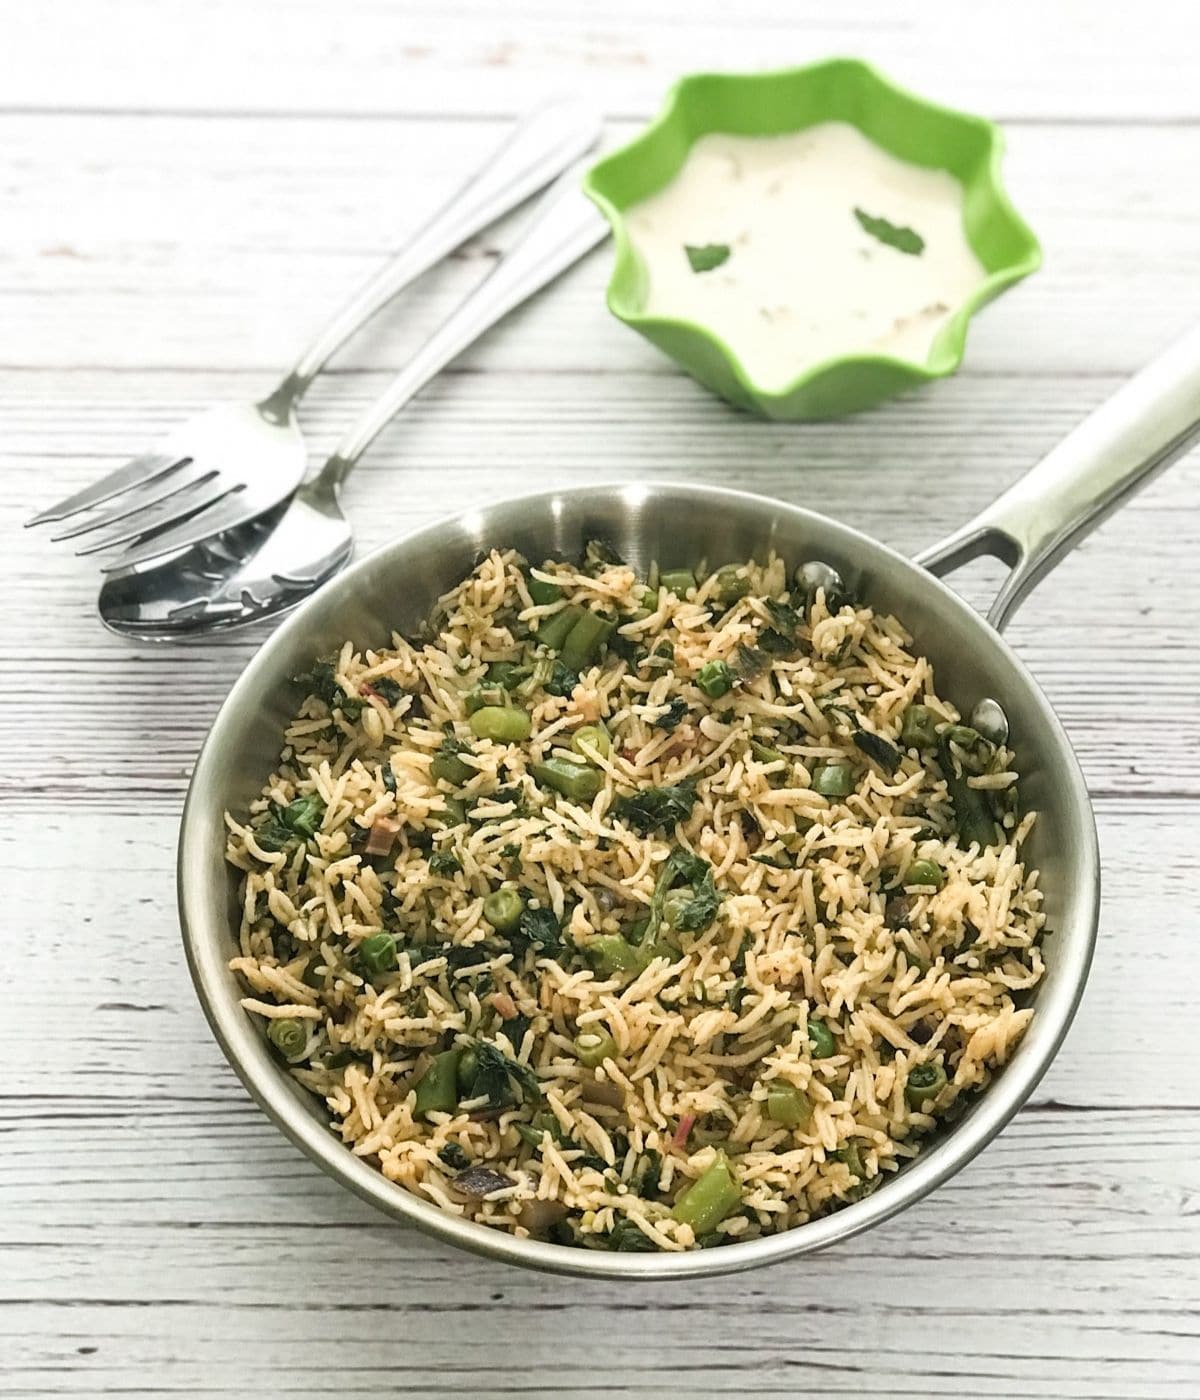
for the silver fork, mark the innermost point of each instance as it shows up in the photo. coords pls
(278, 567)
(235, 462)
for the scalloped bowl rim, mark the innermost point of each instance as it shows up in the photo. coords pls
(949, 345)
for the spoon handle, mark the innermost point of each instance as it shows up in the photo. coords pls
(540, 147)
(564, 226)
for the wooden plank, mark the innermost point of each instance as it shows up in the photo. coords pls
(1070, 59)
(193, 243)
(1108, 638)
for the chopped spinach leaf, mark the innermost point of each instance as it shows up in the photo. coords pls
(562, 680)
(388, 689)
(454, 1157)
(322, 682)
(495, 1074)
(444, 863)
(541, 929)
(656, 807)
(878, 750)
(671, 716)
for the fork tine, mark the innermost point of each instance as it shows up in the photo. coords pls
(171, 486)
(135, 472)
(221, 514)
(159, 517)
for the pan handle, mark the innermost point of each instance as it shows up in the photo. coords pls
(1146, 425)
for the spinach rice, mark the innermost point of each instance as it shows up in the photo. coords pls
(637, 917)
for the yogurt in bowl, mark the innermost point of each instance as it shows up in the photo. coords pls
(809, 242)
(798, 248)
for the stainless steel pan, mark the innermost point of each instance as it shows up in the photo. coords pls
(1145, 426)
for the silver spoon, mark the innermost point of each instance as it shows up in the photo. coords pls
(271, 565)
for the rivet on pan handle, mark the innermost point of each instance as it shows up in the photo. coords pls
(1146, 425)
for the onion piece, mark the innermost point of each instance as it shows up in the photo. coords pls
(504, 1004)
(537, 1216)
(382, 837)
(603, 1091)
(683, 1131)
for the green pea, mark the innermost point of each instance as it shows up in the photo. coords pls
(833, 780)
(378, 954)
(449, 768)
(501, 724)
(555, 630)
(288, 1036)
(503, 908)
(918, 728)
(610, 954)
(731, 585)
(925, 1082)
(673, 905)
(437, 1091)
(591, 736)
(574, 780)
(677, 581)
(788, 1105)
(542, 592)
(925, 872)
(466, 1070)
(820, 1038)
(584, 641)
(709, 1199)
(594, 1047)
(715, 679)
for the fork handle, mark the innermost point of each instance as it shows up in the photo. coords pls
(564, 226)
(540, 147)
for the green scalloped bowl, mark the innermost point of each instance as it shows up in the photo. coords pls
(769, 104)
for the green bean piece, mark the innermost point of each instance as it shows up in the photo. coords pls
(577, 781)
(501, 724)
(610, 954)
(466, 1070)
(378, 954)
(592, 737)
(918, 728)
(542, 592)
(508, 674)
(479, 696)
(594, 1047)
(502, 909)
(448, 767)
(925, 1082)
(555, 630)
(730, 585)
(584, 641)
(925, 872)
(709, 1199)
(820, 1039)
(678, 581)
(971, 814)
(833, 780)
(788, 1105)
(649, 599)
(715, 679)
(288, 1036)
(437, 1091)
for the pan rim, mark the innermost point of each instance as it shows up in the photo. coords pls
(206, 934)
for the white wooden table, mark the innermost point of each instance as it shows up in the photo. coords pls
(185, 189)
